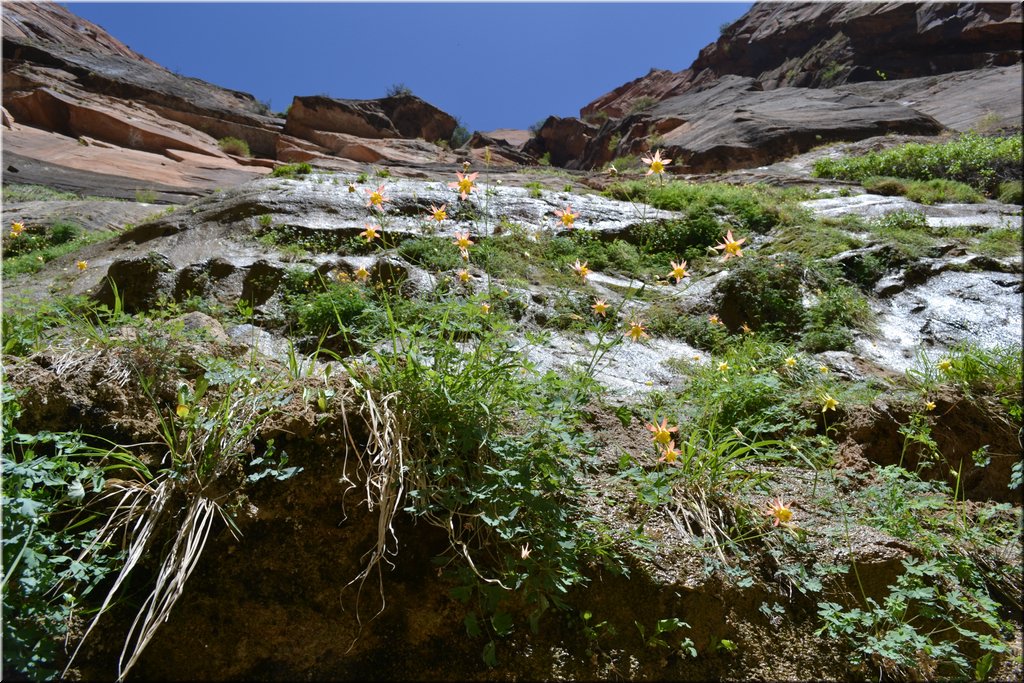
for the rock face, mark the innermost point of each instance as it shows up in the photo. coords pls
(817, 44)
(956, 64)
(730, 124)
(67, 83)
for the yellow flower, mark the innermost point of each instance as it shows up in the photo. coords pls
(636, 330)
(746, 329)
(945, 365)
(730, 247)
(462, 240)
(828, 403)
(581, 269)
(362, 273)
(377, 198)
(723, 366)
(464, 184)
(678, 270)
(17, 229)
(438, 212)
(600, 307)
(464, 275)
(715, 320)
(567, 216)
(656, 163)
(780, 512)
(823, 369)
(351, 187)
(930, 405)
(181, 411)
(82, 265)
(662, 432)
(370, 233)
(485, 308)
(791, 362)
(669, 453)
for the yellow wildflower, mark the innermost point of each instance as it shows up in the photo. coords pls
(362, 273)
(791, 362)
(462, 240)
(678, 270)
(945, 365)
(485, 308)
(567, 217)
(636, 331)
(662, 432)
(581, 269)
(370, 233)
(746, 329)
(715, 320)
(82, 265)
(731, 247)
(438, 213)
(828, 403)
(930, 405)
(17, 229)
(656, 163)
(377, 198)
(181, 411)
(669, 453)
(723, 366)
(780, 512)
(600, 307)
(464, 275)
(823, 369)
(464, 184)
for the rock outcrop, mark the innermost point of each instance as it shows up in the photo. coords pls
(730, 124)
(816, 44)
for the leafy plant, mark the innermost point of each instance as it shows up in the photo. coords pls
(291, 170)
(235, 146)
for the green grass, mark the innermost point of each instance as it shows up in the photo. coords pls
(292, 170)
(980, 162)
(235, 146)
(935, 191)
(47, 248)
(999, 242)
(42, 193)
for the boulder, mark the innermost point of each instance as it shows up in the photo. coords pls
(565, 140)
(735, 123)
(401, 116)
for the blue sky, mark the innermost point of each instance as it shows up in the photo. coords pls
(492, 65)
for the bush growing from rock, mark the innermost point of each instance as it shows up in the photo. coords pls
(235, 146)
(291, 170)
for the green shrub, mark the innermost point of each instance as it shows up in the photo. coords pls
(765, 293)
(234, 146)
(432, 253)
(62, 233)
(832, 320)
(1011, 192)
(980, 162)
(753, 208)
(291, 170)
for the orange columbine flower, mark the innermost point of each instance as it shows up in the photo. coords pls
(464, 184)
(746, 329)
(656, 163)
(567, 217)
(377, 198)
(362, 273)
(82, 265)
(669, 453)
(462, 240)
(678, 270)
(370, 233)
(17, 229)
(780, 512)
(662, 432)
(581, 269)
(636, 330)
(463, 275)
(731, 247)
(715, 320)
(600, 307)
(438, 213)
